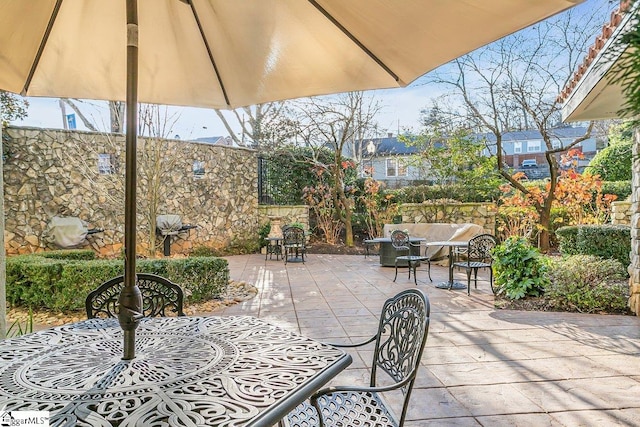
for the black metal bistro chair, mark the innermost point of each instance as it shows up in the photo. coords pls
(293, 243)
(399, 343)
(478, 255)
(160, 297)
(402, 244)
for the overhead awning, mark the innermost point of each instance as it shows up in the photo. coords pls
(591, 95)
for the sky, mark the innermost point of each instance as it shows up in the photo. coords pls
(400, 107)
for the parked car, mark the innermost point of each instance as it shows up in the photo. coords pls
(529, 163)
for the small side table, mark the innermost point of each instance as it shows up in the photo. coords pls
(274, 247)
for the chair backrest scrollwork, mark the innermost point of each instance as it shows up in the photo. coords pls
(160, 297)
(400, 240)
(480, 247)
(293, 237)
(402, 334)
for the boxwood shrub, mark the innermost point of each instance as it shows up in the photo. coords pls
(622, 189)
(568, 240)
(587, 284)
(604, 241)
(70, 254)
(63, 284)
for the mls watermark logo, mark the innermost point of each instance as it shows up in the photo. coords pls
(24, 418)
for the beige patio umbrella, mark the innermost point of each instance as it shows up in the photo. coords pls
(227, 54)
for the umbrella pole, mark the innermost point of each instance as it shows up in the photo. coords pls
(130, 301)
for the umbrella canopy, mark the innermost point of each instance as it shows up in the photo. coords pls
(226, 54)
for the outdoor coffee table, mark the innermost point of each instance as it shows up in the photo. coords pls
(188, 371)
(451, 284)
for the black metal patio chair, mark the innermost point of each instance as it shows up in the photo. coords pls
(293, 243)
(478, 255)
(402, 244)
(399, 343)
(160, 297)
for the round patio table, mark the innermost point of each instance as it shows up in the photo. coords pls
(450, 284)
(188, 371)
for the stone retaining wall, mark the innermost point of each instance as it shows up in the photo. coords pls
(482, 214)
(621, 213)
(55, 172)
(281, 215)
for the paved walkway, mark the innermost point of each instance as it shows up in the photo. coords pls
(481, 367)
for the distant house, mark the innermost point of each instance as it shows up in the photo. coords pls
(520, 146)
(390, 160)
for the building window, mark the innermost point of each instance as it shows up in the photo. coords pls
(106, 164)
(396, 167)
(556, 144)
(517, 147)
(198, 169)
(533, 146)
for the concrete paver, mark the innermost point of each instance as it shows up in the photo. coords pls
(482, 366)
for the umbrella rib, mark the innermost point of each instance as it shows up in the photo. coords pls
(206, 44)
(354, 39)
(45, 39)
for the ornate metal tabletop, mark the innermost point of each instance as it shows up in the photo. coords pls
(188, 371)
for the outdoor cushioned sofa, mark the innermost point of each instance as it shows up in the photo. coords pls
(434, 232)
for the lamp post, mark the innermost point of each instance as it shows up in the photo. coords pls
(371, 150)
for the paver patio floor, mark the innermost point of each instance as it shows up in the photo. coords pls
(481, 366)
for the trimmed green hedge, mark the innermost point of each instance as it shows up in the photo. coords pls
(63, 284)
(461, 192)
(604, 241)
(622, 189)
(70, 254)
(568, 240)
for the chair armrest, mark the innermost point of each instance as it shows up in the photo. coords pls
(364, 389)
(420, 246)
(370, 340)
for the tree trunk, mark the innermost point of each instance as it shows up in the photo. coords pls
(116, 116)
(346, 219)
(348, 228)
(544, 236)
(342, 207)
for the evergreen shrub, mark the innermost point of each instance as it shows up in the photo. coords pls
(622, 189)
(70, 254)
(604, 241)
(519, 269)
(464, 193)
(62, 284)
(568, 240)
(587, 284)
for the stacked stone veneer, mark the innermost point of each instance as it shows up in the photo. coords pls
(621, 213)
(278, 216)
(51, 172)
(482, 214)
